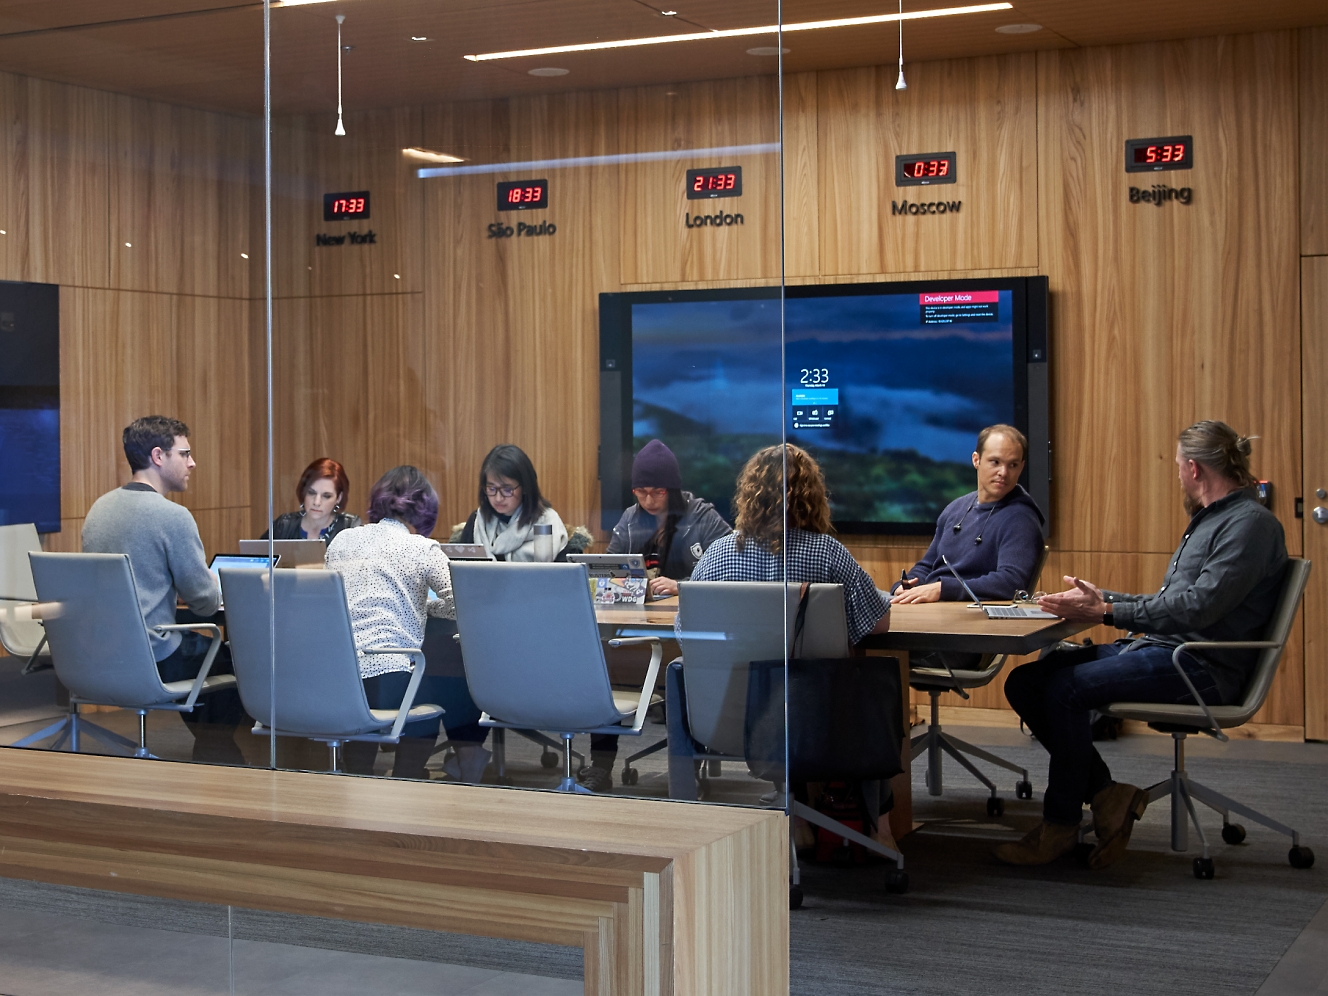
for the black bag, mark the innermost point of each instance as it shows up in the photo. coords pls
(845, 716)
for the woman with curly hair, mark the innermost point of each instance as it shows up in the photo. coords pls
(759, 548)
(389, 567)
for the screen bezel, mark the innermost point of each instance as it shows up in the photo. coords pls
(1029, 348)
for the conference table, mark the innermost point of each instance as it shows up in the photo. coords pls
(914, 629)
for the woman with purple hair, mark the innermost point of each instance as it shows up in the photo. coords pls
(389, 567)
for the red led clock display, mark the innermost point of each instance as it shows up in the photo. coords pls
(523, 195)
(1148, 155)
(925, 169)
(722, 181)
(352, 206)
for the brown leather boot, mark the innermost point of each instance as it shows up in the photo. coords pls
(1115, 810)
(1040, 846)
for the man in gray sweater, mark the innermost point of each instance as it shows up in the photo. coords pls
(1223, 583)
(166, 557)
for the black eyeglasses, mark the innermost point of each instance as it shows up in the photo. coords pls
(494, 492)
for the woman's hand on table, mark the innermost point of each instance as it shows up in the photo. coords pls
(919, 593)
(661, 586)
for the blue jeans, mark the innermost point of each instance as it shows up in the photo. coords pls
(461, 715)
(1055, 696)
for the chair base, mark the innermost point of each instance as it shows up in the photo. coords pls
(1183, 793)
(896, 880)
(935, 742)
(74, 727)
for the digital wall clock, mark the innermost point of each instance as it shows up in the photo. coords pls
(352, 206)
(922, 170)
(1148, 155)
(719, 181)
(523, 195)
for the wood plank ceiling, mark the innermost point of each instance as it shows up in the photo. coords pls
(208, 53)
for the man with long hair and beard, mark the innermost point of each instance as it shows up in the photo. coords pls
(1222, 584)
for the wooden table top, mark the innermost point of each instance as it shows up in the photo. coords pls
(931, 626)
(647, 829)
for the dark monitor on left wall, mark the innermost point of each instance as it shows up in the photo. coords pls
(30, 405)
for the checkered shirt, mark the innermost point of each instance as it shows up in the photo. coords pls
(813, 557)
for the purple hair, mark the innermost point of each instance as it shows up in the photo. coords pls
(405, 494)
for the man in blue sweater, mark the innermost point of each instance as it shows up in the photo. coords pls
(992, 536)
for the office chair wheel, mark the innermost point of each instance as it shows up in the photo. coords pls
(1023, 790)
(896, 882)
(1301, 857)
(1204, 868)
(1082, 852)
(629, 776)
(795, 897)
(549, 759)
(1233, 833)
(995, 806)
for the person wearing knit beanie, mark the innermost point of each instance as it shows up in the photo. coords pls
(656, 467)
(667, 525)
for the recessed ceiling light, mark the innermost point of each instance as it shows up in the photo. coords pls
(244, 255)
(419, 38)
(766, 29)
(1018, 29)
(3, 232)
(129, 245)
(669, 13)
(397, 276)
(549, 71)
(430, 156)
(767, 50)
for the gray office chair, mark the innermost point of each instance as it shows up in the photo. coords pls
(1183, 720)
(312, 684)
(533, 656)
(1211, 720)
(935, 742)
(88, 604)
(21, 638)
(724, 626)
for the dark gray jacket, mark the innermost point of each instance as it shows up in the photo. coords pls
(1223, 584)
(699, 526)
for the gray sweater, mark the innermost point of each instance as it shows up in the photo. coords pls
(165, 555)
(1223, 584)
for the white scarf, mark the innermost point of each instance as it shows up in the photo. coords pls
(509, 538)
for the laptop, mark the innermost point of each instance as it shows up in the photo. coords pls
(293, 552)
(465, 551)
(220, 560)
(999, 611)
(615, 578)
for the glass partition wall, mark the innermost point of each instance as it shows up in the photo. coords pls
(526, 298)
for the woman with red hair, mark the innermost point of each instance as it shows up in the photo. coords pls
(322, 496)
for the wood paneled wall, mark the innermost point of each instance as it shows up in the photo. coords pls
(140, 212)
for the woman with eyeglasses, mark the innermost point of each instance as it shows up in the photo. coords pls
(514, 522)
(322, 496)
(672, 527)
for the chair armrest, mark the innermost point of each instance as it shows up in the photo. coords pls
(652, 673)
(215, 630)
(416, 655)
(1212, 645)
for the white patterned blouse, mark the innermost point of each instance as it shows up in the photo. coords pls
(388, 572)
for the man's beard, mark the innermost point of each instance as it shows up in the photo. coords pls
(1192, 505)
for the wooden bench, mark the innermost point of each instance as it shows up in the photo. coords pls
(663, 897)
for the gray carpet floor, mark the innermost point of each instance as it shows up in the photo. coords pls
(972, 926)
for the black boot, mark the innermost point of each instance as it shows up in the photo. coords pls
(412, 755)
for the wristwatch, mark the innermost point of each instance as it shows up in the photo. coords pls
(1109, 618)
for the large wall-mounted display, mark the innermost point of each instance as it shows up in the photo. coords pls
(888, 384)
(30, 405)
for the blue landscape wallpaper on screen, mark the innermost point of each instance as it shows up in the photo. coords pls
(895, 403)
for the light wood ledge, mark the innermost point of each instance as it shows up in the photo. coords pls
(664, 897)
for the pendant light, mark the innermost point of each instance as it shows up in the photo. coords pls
(899, 83)
(341, 127)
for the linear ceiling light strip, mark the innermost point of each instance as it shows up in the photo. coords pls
(613, 160)
(769, 29)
